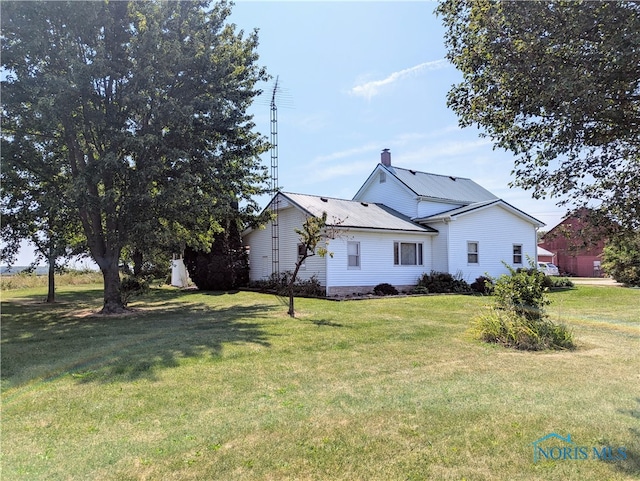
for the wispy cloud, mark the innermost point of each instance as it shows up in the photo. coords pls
(348, 153)
(372, 88)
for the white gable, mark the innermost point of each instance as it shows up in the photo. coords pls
(496, 230)
(390, 192)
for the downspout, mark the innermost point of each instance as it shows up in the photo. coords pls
(446, 222)
(326, 270)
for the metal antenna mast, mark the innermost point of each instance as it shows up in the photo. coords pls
(275, 228)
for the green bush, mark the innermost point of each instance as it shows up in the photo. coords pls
(621, 258)
(131, 287)
(385, 289)
(420, 290)
(522, 291)
(560, 282)
(518, 319)
(483, 285)
(509, 329)
(443, 282)
(279, 283)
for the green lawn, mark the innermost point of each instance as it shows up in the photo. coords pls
(205, 386)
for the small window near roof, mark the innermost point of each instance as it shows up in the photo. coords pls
(383, 177)
(517, 253)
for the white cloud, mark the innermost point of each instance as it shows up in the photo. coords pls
(355, 151)
(372, 88)
(348, 169)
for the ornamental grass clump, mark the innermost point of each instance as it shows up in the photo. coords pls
(518, 319)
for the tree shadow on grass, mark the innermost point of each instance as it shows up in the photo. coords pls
(43, 342)
(324, 322)
(631, 465)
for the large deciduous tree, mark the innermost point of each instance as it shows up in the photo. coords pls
(148, 101)
(558, 84)
(35, 207)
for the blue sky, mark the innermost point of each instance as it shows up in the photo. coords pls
(358, 77)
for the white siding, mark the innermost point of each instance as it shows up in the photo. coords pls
(496, 230)
(440, 258)
(259, 242)
(376, 260)
(261, 249)
(391, 193)
(427, 208)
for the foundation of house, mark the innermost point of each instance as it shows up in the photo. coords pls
(355, 291)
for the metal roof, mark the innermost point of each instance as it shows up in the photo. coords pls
(446, 188)
(355, 214)
(479, 205)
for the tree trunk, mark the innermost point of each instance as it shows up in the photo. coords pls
(291, 311)
(112, 298)
(292, 283)
(138, 260)
(51, 292)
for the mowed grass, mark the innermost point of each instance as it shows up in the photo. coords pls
(215, 386)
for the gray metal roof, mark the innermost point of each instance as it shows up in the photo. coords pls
(355, 214)
(478, 205)
(443, 187)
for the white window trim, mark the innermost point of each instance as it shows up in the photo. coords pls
(517, 254)
(397, 253)
(358, 255)
(476, 253)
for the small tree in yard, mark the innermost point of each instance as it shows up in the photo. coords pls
(311, 234)
(518, 319)
(523, 292)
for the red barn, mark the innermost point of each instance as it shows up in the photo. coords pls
(578, 247)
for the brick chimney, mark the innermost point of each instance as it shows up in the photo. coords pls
(385, 158)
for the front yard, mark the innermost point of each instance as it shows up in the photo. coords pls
(227, 386)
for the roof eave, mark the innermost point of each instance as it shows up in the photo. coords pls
(431, 230)
(451, 217)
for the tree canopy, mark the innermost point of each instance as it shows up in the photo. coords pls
(621, 258)
(146, 103)
(36, 207)
(558, 84)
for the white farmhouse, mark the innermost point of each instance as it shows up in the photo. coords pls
(400, 224)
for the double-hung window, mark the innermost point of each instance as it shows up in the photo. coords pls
(353, 255)
(517, 253)
(472, 253)
(407, 253)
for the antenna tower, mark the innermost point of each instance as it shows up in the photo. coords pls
(275, 228)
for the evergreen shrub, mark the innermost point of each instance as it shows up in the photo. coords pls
(385, 289)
